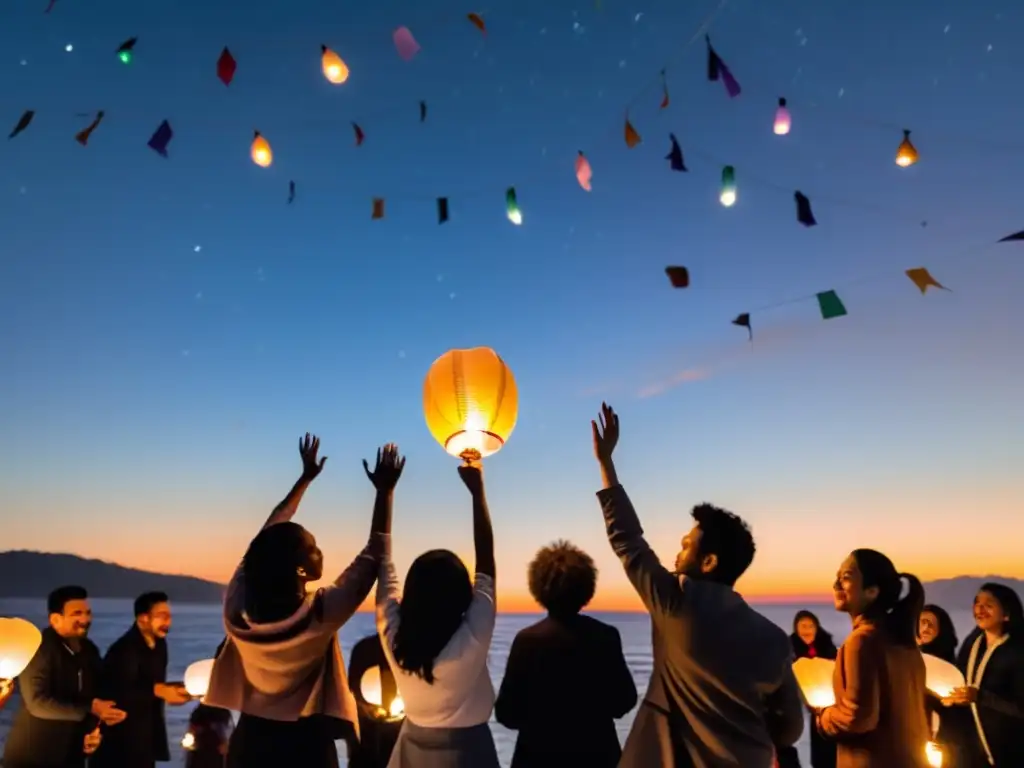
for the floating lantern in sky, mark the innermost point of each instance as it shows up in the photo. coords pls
(405, 43)
(941, 677)
(335, 70)
(19, 641)
(512, 207)
(815, 679)
(933, 753)
(783, 121)
(260, 151)
(125, 50)
(197, 677)
(470, 402)
(583, 172)
(906, 154)
(728, 193)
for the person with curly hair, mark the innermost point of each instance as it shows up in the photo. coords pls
(566, 680)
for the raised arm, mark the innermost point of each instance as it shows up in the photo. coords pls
(857, 710)
(472, 475)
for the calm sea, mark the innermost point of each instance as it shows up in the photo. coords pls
(198, 630)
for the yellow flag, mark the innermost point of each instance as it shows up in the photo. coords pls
(923, 279)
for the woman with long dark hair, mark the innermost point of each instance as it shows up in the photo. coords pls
(437, 637)
(281, 664)
(878, 720)
(992, 660)
(810, 641)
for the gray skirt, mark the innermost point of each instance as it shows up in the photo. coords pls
(444, 747)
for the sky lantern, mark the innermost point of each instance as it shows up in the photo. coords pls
(512, 207)
(197, 677)
(19, 641)
(933, 753)
(906, 154)
(470, 402)
(941, 677)
(783, 121)
(728, 193)
(261, 153)
(815, 679)
(373, 693)
(335, 70)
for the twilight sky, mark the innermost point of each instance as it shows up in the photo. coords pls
(170, 327)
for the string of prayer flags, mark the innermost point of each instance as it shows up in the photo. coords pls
(512, 207)
(291, 192)
(743, 321)
(831, 305)
(82, 137)
(378, 208)
(226, 66)
(405, 43)
(631, 135)
(679, 277)
(442, 210)
(125, 50)
(583, 171)
(803, 210)
(161, 138)
(923, 279)
(906, 152)
(1014, 236)
(423, 111)
(23, 122)
(260, 150)
(664, 91)
(718, 70)
(477, 21)
(359, 134)
(675, 155)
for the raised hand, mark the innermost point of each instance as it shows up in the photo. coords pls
(606, 432)
(387, 470)
(308, 449)
(472, 474)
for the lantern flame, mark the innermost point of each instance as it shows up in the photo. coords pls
(19, 641)
(728, 197)
(783, 121)
(261, 153)
(815, 679)
(906, 154)
(334, 68)
(934, 754)
(197, 677)
(515, 216)
(188, 741)
(397, 708)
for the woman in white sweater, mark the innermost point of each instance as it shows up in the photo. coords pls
(437, 638)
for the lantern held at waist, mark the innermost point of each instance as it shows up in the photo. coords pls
(815, 679)
(941, 677)
(197, 677)
(19, 641)
(373, 694)
(470, 402)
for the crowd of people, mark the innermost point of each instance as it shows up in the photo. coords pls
(722, 692)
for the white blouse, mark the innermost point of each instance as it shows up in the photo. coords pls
(461, 695)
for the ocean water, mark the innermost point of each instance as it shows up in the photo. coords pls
(197, 631)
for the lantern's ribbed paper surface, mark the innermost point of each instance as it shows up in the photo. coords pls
(470, 401)
(19, 641)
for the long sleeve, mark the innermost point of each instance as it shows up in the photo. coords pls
(35, 693)
(659, 589)
(857, 708)
(121, 679)
(786, 710)
(619, 684)
(387, 595)
(351, 588)
(1014, 705)
(512, 705)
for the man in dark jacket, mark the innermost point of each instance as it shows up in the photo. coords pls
(57, 723)
(134, 675)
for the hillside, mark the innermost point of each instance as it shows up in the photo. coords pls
(958, 592)
(35, 574)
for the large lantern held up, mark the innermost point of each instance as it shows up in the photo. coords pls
(941, 677)
(197, 677)
(470, 402)
(19, 641)
(815, 679)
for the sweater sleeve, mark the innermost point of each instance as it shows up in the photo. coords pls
(343, 598)
(857, 707)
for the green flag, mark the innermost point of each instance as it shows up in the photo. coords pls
(830, 305)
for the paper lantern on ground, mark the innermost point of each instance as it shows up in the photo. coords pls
(470, 402)
(906, 153)
(933, 752)
(197, 677)
(335, 70)
(782, 119)
(260, 151)
(941, 677)
(815, 679)
(370, 688)
(19, 641)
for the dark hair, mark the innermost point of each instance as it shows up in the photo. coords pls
(273, 588)
(562, 578)
(823, 642)
(1009, 601)
(147, 601)
(435, 599)
(900, 616)
(57, 600)
(945, 642)
(725, 535)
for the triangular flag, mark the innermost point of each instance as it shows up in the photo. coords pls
(423, 111)
(161, 138)
(664, 91)
(477, 21)
(830, 305)
(1014, 236)
(442, 210)
(291, 192)
(717, 69)
(803, 210)
(679, 277)
(226, 66)
(631, 136)
(923, 279)
(743, 321)
(583, 171)
(359, 134)
(23, 122)
(378, 208)
(82, 137)
(675, 155)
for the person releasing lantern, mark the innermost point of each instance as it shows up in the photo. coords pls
(783, 121)
(260, 151)
(335, 70)
(19, 641)
(906, 153)
(470, 402)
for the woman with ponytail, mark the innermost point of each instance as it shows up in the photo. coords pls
(878, 720)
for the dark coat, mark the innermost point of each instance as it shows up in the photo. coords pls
(57, 689)
(377, 737)
(823, 751)
(566, 681)
(130, 671)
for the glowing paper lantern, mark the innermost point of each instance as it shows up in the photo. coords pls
(470, 402)
(815, 679)
(260, 151)
(941, 677)
(335, 70)
(197, 677)
(728, 194)
(782, 119)
(512, 207)
(906, 154)
(934, 754)
(19, 641)
(370, 688)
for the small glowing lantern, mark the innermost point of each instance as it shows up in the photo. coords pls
(941, 677)
(260, 151)
(815, 679)
(933, 752)
(906, 155)
(19, 641)
(782, 119)
(512, 207)
(728, 194)
(197, 678)
(335, 70)
(188, 741)
(470, 402)
(370, 688)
